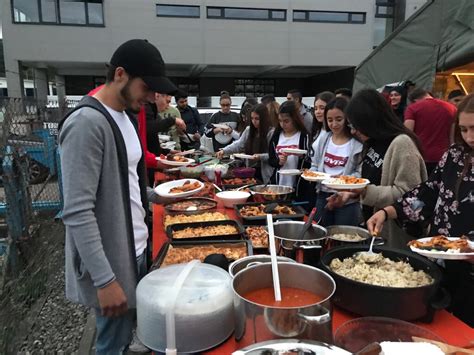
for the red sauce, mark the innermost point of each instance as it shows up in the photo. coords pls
(290, 297)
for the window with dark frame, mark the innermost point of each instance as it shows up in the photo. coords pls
(329, 16)
(58, 12)
(244, 13)
(254, 87)
(187, 11)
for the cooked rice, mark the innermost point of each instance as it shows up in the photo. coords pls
(380, 271)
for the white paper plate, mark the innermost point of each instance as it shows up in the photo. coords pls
(164, 137)
(322, 177)
(168, 145)
(243, 156)
(164, 189)
(218, 125)
(289, 172)
(293, 151)
(437, 254)
(332, 184)
(175, 163)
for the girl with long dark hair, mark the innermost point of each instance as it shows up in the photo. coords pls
(254, 141)
(290, 133)
(391, 159)
(446, 201)
(320, 102)
(337, 153)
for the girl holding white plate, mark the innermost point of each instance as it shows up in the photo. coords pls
(446, 200)
(254, 142)
(337, 153)
(391, 159)
(290, 134)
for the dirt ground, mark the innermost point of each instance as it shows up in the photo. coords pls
(35, 317)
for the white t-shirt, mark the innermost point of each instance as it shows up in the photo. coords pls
(335, 158)
(292, 160)
(134, 153)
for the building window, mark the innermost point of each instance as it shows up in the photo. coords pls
(254, 87)
(25, 11)
(59, 12)
(163, 10)
(329, 16)
(240, 13)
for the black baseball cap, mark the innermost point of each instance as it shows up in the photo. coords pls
(142, 59)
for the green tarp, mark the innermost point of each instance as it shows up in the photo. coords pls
(438, 37)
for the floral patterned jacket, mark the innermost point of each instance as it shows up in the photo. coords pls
(445, 200)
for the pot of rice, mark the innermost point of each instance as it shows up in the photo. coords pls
(397, 284)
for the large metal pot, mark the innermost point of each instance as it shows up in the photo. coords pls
(255, 322)
(253, 260)
(416, 303)
(306, 250)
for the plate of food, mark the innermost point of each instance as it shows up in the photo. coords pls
(293, 151)
(179, 188)
(314, 176)
(191, 204)
(220, 125)
(441, 247)
(345, 182)
(243, 156)
(174, 160)
(289, 172)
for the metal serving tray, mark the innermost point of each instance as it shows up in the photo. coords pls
(299, 216)
(177, 227)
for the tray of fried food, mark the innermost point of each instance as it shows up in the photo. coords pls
(198, 217)
(175, 252)
(258, 235)
(254, 212)
(213, 230)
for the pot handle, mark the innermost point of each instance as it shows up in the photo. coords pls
(253, 263)
(306, 246)
(441, 300)
(321, 319)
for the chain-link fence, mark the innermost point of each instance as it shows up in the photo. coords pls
(30, 127)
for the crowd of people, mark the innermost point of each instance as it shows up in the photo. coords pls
(416, 151)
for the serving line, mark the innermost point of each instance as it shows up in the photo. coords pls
(444, 324)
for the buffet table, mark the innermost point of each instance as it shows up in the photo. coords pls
(445, 325)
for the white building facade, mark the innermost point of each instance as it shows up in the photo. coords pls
(242, 46)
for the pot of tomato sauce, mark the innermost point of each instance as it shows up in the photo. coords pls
(305, 311)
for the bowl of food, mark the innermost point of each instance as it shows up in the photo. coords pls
(191, 172)
(231, 198)
(273, 192)
(244, 173)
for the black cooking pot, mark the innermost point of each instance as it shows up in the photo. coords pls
(415, 303)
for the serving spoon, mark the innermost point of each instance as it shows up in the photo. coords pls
(369, 256)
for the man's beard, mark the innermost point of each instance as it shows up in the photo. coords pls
(127, 98)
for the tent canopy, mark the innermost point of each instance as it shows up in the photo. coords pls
(439, 36)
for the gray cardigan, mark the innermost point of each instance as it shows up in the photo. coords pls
(99, 234)
(238, 146)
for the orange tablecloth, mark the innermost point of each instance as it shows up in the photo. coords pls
(445, 325)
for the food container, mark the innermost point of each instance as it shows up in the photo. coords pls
(209, 170)
(231, 198)
(230, 244)
(273, 192)
(251, 261)
(190, 238)
(257, 322)
(203, 310)
(244, 172)
(355, 334)
(191, 205)
(259, 220)
(191, 172)
(332, 241)
(306, 250)
(291, 346)
(414, 303)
